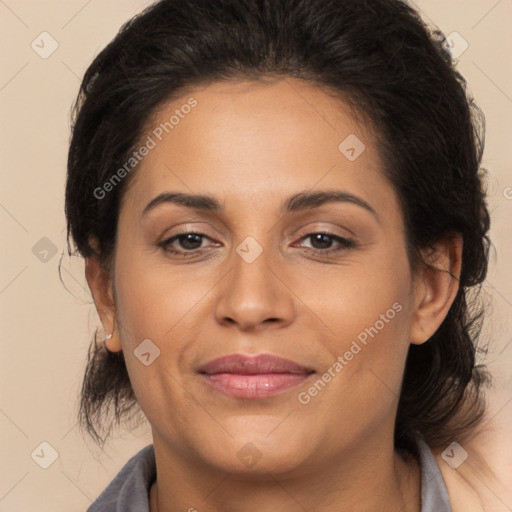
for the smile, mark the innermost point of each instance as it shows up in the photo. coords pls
(262, 376)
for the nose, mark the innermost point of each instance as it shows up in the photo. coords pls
(253, 297)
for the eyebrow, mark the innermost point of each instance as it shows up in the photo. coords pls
(297, 202)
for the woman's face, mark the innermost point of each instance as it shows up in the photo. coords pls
(259, 278)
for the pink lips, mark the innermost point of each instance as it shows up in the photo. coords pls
(253, 377)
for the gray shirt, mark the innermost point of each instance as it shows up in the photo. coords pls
(129, 491)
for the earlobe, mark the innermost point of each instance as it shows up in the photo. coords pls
(112, 341)
(100, 284)
(437, 284)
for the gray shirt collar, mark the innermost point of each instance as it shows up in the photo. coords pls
(434, 495)
(129, 491)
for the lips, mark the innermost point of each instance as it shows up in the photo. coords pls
(253, 376)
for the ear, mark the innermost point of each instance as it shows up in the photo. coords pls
(437, 284)
(101, 286)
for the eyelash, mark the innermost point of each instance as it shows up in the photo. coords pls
(344, 243)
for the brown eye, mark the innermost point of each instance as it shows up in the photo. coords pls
(189, 241)
(323, 242)
(185, 244)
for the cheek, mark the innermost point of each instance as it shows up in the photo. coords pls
(366, 298)
(151, 297)
(360, 382)
(368, 309)
(155, 304)
(163, 304)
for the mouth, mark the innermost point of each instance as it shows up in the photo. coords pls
(249, 377)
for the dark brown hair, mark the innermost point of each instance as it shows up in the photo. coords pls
(376, 54)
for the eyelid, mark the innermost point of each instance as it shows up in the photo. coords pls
(343, 243)
(185, 229)
(321, 227)
(168, 239)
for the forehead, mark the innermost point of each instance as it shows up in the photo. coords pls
(268, 138)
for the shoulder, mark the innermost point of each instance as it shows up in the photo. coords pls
(434, 495)
(478, 471)
(129, 490)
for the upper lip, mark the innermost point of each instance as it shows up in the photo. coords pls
(253, 365)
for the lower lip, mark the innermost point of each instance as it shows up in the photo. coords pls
(254, 386)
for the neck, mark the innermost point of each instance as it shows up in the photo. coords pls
(362, 480)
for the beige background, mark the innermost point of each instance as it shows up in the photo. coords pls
(46, 329)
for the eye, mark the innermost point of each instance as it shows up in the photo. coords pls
(191, 243)
(184, 244)
(322, 242)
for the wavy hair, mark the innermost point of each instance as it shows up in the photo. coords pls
(392, 69)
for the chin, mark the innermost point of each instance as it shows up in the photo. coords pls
(257, 454)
